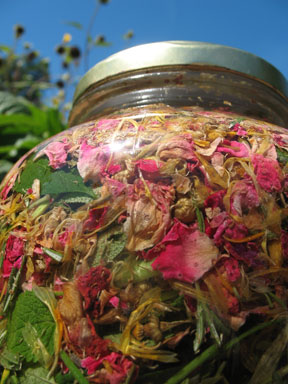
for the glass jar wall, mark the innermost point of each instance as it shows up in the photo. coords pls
(151, 237)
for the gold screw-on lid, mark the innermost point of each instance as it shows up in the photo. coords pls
(183, 53)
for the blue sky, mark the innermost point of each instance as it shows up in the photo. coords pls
(257, 26)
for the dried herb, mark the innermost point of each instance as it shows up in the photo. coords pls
(152, 234)
(110, 244)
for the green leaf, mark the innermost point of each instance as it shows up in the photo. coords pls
(53, 254)
(136, 270)
(29, 309)
(75, 198)
(62, 182)
(5, 48)
(102, 43)
(10, 104)
(78, 375)
(6, 148)
(128, 35)
(238, 120)
(34, 170)
(36, 122)
(10, 360)
(178, 302)
(114, 337)
(282, 155)
(200, 330)
(37, 375)
(209, 320)
(200, 220)
(5, 166)
(54, 121)
(269, 361)
(56, 183)
(20, 124)
(49, 120)
(34, 342)
(74, 24)
(109, 245)
(64, 379)
(13, 285)
(27, 142)
(3, 331)
(159, 376)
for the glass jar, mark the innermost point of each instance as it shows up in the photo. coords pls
(151, 237)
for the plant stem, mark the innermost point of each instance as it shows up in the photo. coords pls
(211, 353)
(5, 376)
(88, 34)
(73, 369)
(200, 220)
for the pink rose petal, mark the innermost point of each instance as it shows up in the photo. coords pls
(57, 153)
(268, 173)
(185, 254)
(235, 148)
(13, 254)
(148, 165)
(92, 161)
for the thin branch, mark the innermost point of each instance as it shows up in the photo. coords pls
(88, 34)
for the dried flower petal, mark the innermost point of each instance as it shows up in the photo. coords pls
(92, 161)
(149, 216)
(232, 269)
(57, 153)
(13, 254)
(187, 254)
(117, 365)
(92, 283)
(268, 173)
(235, 148)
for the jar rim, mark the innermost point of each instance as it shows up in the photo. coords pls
(169, 53)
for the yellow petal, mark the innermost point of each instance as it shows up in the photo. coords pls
(66, 38)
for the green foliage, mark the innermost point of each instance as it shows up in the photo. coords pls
(74, 24)
(61, 182)
(25, 118)
(64, 379)
(73, 369)
(128, 35)
(24, 75)
(35, 121)
(282, 155)
(99, 41)
(35, 375)
(134, 270)
(10, 104)
(34, 170)
(22, 127)
(10, 360)
(30, 310)
(5, 166)
(32, 339)
(55, 183)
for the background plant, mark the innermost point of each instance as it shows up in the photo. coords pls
(33, 105)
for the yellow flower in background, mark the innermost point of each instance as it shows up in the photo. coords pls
(66, 38)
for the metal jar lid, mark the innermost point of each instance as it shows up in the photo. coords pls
(183, 53)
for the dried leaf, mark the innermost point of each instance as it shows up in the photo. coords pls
(110, 244)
